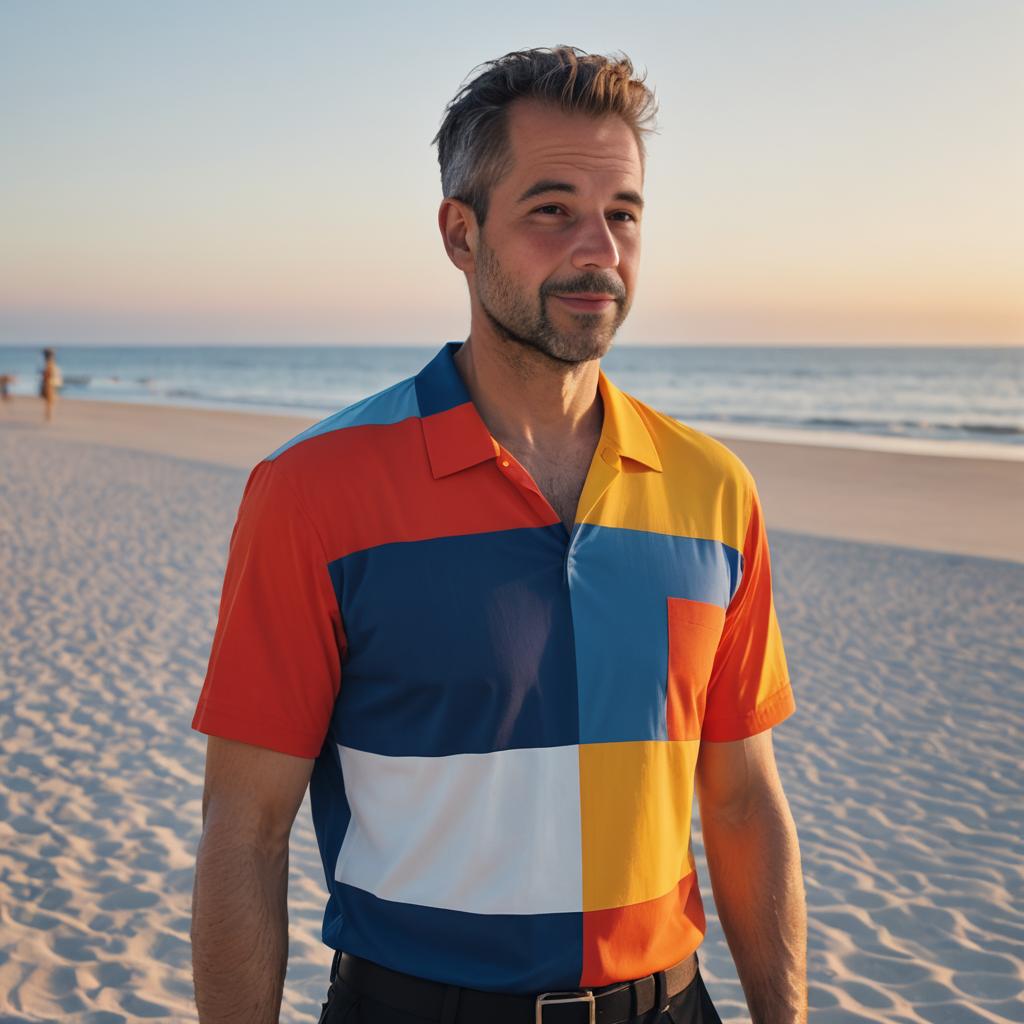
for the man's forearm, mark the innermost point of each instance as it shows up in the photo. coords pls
(757, 882)
(239, 930)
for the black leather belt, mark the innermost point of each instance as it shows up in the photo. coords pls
(433, 1000)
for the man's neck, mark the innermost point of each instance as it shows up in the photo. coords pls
(528, 401)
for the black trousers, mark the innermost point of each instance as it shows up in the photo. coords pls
(346, 1006)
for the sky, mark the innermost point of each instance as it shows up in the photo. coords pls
(823, 173)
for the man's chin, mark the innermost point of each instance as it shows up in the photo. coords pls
(568, 350)
(574, 352)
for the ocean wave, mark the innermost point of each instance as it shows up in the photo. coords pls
(257, 402)
(87, 380)
(1007, 429)
(953, 429)
(922, 427)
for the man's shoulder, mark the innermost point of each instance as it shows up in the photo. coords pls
(339, 433)
(685, 450)
(350, 453)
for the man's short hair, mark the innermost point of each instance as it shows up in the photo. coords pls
(472, 142)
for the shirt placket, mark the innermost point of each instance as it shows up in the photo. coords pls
(603, 470)
(518, 475)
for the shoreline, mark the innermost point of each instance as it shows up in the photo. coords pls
(976, 447)
(928, 502)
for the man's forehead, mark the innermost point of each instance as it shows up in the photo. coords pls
(546, 141)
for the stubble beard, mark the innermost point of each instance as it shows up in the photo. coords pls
(516, 319)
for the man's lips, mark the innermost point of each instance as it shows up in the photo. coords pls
(587, 302)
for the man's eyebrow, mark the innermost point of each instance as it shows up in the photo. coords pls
(548, 185)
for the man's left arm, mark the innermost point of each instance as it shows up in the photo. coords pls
(753, 857)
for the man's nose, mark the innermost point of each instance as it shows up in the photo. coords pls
(595, 245)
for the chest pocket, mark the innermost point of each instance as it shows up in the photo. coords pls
(694, 629)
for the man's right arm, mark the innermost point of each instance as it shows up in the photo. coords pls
(239, 904)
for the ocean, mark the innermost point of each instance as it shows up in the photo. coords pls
(957, 401)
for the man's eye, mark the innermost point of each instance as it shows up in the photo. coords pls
(625, 216)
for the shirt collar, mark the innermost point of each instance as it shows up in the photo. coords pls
(455, 435)
(624, 429)
(459, 438)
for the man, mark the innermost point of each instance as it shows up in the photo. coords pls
(503, 618)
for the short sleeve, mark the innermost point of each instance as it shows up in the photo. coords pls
(749, 689)
(275, 663)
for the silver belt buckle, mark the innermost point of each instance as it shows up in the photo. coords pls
(547, 998)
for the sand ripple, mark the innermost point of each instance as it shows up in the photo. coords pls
(112, 564)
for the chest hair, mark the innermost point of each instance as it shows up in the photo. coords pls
(561, 482)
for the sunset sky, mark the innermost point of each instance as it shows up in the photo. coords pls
(225, 172)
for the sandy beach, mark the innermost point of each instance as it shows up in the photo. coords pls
(900, 591)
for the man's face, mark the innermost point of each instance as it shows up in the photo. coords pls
(556, 260)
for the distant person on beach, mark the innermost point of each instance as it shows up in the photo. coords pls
(50, 381)
(507, 623)
(6, 380)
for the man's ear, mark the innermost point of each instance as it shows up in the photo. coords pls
(459, 232)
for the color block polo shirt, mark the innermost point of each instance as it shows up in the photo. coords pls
(505, 715)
